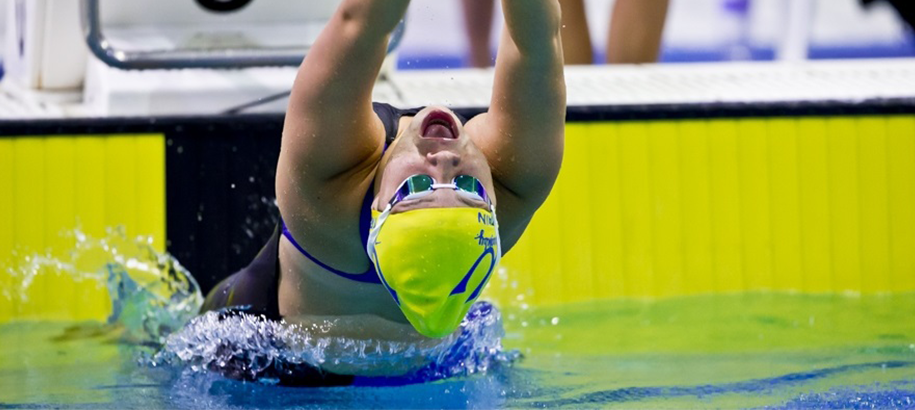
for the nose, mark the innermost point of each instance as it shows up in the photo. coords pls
(445, 159)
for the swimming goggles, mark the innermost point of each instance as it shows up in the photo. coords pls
(418, 186)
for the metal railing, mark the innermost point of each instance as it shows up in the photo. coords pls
(102, 48)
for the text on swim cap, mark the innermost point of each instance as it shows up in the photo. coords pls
(486, 241)
(486, 219)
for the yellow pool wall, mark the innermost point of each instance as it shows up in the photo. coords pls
(50, 186)
(659, 209)
(642, 209)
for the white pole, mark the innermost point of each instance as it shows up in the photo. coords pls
(796, 40)
(4, 26)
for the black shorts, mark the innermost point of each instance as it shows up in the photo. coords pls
(906, 9)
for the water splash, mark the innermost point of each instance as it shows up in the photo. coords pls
(249, 347)
(152, 295)
(155, 301)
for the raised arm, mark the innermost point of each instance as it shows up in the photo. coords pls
(523, 132)
(330, 126)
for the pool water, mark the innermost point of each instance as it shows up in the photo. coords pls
(731, 351)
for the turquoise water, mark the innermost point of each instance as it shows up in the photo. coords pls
(741, 351)
(724, 351)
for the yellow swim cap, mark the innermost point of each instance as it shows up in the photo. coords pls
(435, 262)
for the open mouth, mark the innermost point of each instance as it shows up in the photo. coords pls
(439, 124)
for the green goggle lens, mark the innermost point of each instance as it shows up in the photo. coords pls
(420, 185)
(466, 183)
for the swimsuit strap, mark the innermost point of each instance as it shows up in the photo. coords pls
(368, 276)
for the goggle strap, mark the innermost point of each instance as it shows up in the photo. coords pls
(376, 229)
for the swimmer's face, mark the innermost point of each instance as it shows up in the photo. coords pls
(435, 144)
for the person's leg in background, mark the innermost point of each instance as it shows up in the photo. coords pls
(576, 40)
(478, 16)
(636, 29)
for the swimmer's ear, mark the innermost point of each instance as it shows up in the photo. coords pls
(376, 204)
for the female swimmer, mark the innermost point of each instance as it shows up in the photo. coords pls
(389, 223)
